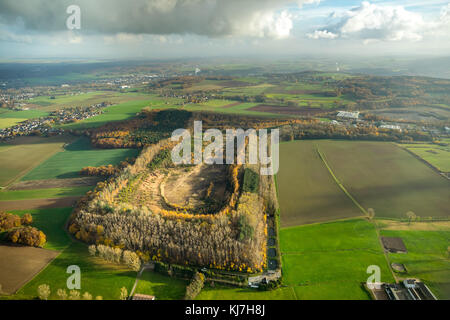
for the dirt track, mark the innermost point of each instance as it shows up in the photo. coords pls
(38, 204)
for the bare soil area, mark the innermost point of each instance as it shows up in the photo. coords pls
(54, 183)
(182, 187)
(191, 188)
(38, 204)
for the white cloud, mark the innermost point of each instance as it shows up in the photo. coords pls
(212, 18)
(372, 22)
(8, 36)
(322, 34)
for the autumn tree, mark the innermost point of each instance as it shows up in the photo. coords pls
(43, 291)
(62, 294)
(195, 287)
(411, 217)
(370, 213)
(123, 293)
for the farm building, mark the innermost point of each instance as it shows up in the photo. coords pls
(391, 127)
(347, 115)
(409, 289)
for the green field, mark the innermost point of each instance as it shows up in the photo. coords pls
(43, 193)
(306, 191)
(98, 277)
(11, 118)
(122, 111)
(51, 222)
(19, 157)
(215, 103)
(85, 99)
(160, 286)
(80, 154)
(232, 293)
(240, 109)
(427, 258)
(388, 179)
(330, 260)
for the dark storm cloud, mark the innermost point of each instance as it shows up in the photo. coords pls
(202, 17)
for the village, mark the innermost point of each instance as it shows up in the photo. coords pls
(46, 125)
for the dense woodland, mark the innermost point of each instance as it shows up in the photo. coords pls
(146, 129)
(312, 129)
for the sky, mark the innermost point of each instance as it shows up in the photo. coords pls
(117, 29)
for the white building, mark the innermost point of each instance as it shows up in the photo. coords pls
(348, 115)
(391, 127)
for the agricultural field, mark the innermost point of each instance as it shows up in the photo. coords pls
(98, 277)
(84, 99)
(20, 264)
(220, 292)
(121, 111)
(236, 109)
(80, 154)
(11, 195)
(306, 191)
(330, 260)
(388, 179)
(11, 118)
(436, 155)
(376, 175)
(427, 257)
(51, 222)
(24, 153)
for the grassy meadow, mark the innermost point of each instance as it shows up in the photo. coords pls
(98, 277)
(11, 118)
(121, 112)
(437, 155)
(80, 154)
(330, 260)
(161, 286)
(427, 258)
(51, 222)
(23, 154)
(43, 193)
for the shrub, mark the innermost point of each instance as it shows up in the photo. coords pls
(43, 291)
(74, 295)
(9, 221)
(123, 293)
(132, 260)
(27, 236)
(92, 250)
(62, 294)
(27, 219)
(251, 181)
